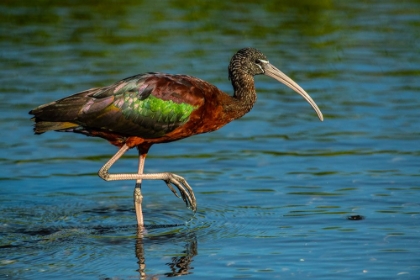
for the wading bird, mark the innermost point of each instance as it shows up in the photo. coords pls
(154, 108)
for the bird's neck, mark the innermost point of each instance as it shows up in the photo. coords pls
(244, 95)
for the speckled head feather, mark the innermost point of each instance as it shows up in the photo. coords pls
(243, 66)
(246, 61)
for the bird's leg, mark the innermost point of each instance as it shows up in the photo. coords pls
(171, 180)
(103, 172)
(138, 197)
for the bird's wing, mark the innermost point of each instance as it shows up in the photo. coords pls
(147, 105)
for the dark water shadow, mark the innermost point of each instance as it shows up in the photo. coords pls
(163, 234)
(180, 264)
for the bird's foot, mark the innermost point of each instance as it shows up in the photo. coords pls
(187, 193)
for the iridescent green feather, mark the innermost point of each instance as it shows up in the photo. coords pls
(161, 116)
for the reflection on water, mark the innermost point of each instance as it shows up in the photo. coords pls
(275, 189)
(179, 264)
(40, 241)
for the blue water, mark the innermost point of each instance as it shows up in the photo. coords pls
(274, 189)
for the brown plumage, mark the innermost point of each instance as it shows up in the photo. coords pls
(153, 108)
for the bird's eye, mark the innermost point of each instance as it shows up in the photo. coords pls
(260, 65)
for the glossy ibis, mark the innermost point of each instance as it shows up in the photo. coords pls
(154, 108)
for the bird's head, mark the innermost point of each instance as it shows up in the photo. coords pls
(252, 62)
(248, 60)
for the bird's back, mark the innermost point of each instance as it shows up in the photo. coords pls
(148, 105)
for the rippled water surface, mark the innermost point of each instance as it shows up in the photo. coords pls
(275, 189)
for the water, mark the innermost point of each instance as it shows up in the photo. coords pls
(274, 189)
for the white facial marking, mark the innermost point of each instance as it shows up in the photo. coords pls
(261, 68)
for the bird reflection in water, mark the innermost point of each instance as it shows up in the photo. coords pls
(179, 265)
(182, 265)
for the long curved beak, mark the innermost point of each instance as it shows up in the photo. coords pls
(273, 72)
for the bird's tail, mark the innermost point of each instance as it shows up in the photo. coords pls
(44, 126)
(53, 116)
(60, 114)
